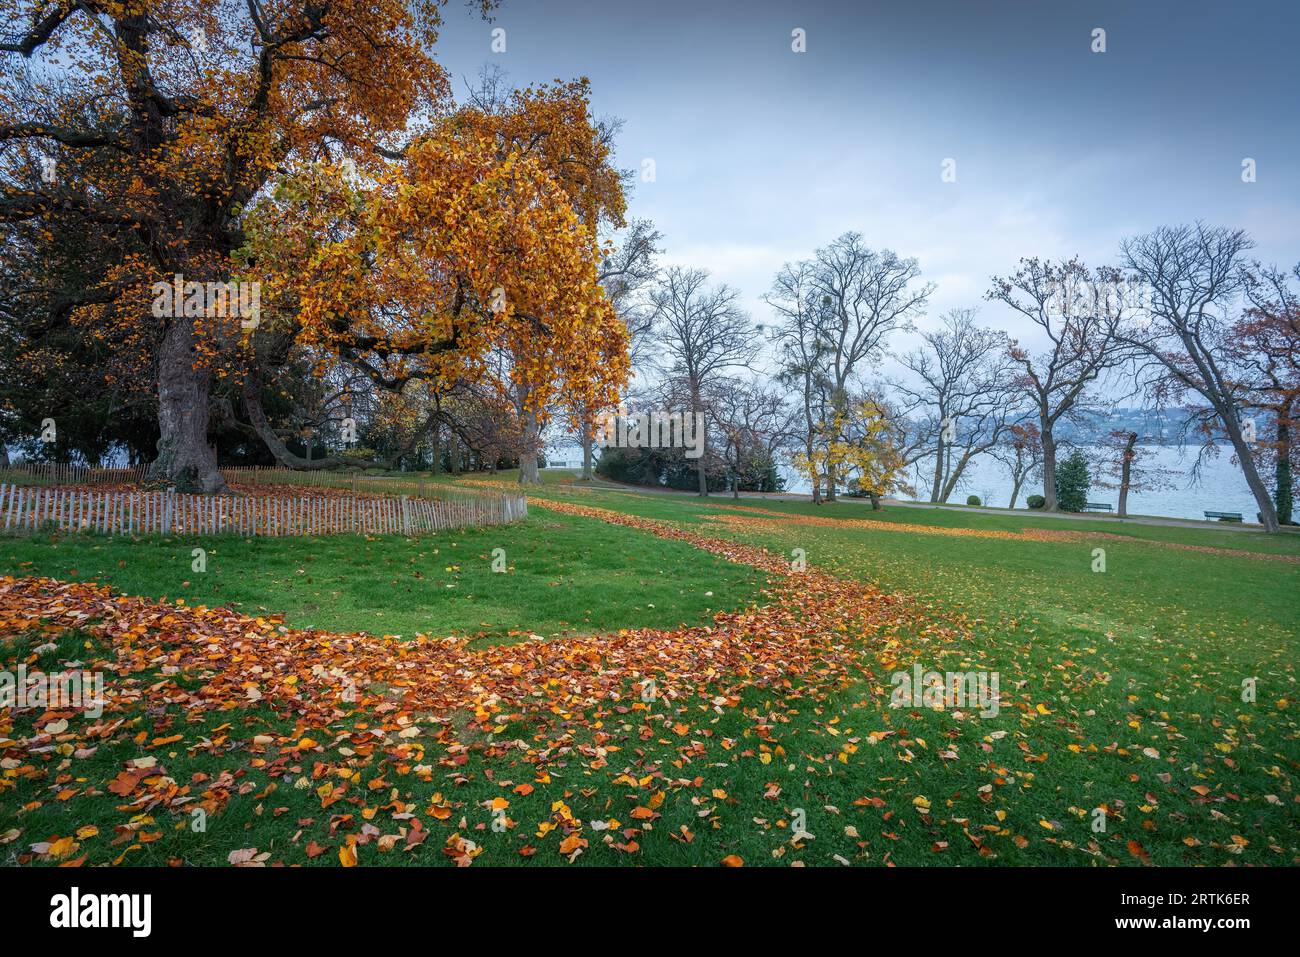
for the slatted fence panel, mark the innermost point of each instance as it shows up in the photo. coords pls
(31, 508)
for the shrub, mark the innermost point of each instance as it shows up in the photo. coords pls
(972, 500)
(1035, 501)
(1072, 483)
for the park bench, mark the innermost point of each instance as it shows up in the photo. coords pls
(1224, 516)
(1098, 507)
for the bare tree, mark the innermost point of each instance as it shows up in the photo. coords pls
(1122, 465)
(836, 312)
(1265, 343)
(626, 275)
(704, 333)
(1194, 275)
(966, 385)
(867, 296)
(1081, 324)
(1021, 451)
(754, 422)
(801, 352)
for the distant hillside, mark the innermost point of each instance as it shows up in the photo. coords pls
(1166, 427)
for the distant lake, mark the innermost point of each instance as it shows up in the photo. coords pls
(1222, 487)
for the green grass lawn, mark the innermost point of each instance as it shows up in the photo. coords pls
(560, 578)
(1121, 689)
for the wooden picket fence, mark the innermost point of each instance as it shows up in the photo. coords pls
(60, 473)
(166, 513)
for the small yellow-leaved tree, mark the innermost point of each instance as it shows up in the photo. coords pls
(861, 444)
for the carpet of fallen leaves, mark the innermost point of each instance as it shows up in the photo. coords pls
(768, 520)
(365, 709)
(382, 733)
(778, 518)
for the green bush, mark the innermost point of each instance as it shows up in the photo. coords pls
(973, 500)
(1035, 501)
(654, 467)
(1072, 483)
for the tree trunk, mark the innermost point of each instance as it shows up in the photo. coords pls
(704, 448)
(809, 438)
(185, 461)
(1015, 491)
(528, 456)
(1283, 492)
(275, 445)
(453, 453)
(938, 472)
(1267, 514)
(830, 482)
(1049, 469)
(1126, 474)
(875, 501)
(950, 485)
(587, 444)
(435, 443)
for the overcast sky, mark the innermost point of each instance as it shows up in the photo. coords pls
(762, 154)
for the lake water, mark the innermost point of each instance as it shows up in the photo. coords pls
(1222, 487)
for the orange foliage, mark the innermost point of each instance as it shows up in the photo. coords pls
(466, 262)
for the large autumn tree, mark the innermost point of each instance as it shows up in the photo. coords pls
(552, 125)
(462, 266)
(158, 122)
